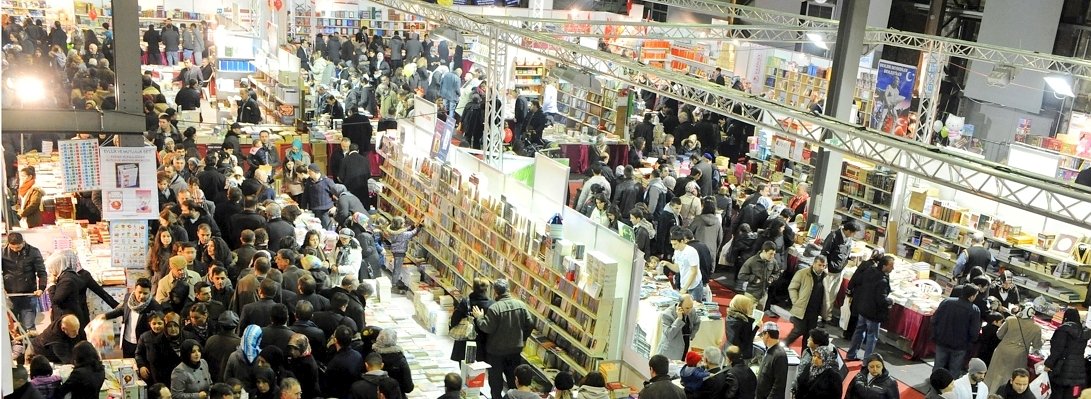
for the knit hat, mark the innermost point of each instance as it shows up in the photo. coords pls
(178, 261)
(713, 357)
(693, 359)
(977, 366)
(360, 218)
(770, 326)
(315, 167)
(564, 381)
(940, 379)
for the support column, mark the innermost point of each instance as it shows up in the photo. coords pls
(846, 65)
(497, 77)
(931, 71)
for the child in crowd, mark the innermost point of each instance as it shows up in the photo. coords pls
(42, 377)
(693, 373)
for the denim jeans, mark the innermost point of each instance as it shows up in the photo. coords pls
(698, 293)
(950, 359)
(26, 309)
(866, 333)
(398, 272)
(172, 57)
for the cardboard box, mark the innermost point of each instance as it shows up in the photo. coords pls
(918, 197)
(473, 378)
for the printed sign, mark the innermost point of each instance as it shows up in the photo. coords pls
(128, 183)
(894, 94)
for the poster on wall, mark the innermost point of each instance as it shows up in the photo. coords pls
(79, 165)
(894, 96)
(128, 183)
(441, 138)
(129, 243)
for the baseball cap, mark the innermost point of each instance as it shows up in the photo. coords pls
(315, 167)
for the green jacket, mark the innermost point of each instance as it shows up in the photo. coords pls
(508, 323)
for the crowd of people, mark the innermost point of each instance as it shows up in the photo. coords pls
(72, 66)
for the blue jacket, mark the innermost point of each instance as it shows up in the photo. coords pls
(450, 87)
(956, 324)
(318, 194)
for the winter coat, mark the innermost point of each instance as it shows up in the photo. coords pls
(413, 47)
(278, 229)
(24, 271)
(463, 310)
(754, 215)
(396, 46)
(122, 310)
(370, 258)
(671, 344)
(707, 229)
(508, 323)
(305, 369)
(347, 203)
(661, 387)
(372, 384)
(744, 377)
(881, 387)
(590, 392)
(217, 351)
(343, 368)
(628, 194)
(758, 274)
(956, 324)
(450, 88)
(84, 382)
(836, 248)
(317, 194)
(55, 345)
(397, 367)
(720, 383)
(742, 248)
(186, 382)
(800, 290)
(1008, 392)
(773, 374)
(825, 385)
(740, 332)
(171, 39)
(870, 289)
(1066, 354)
(1016, 335)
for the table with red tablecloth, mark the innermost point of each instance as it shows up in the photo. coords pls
(910, 324)
(578, 155)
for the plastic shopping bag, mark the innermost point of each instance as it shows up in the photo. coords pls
(1040, 386)
(100, 333)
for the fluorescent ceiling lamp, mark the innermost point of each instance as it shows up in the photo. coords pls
(818, 40)
(1060, 86)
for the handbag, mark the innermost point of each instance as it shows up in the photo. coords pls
(465, 330)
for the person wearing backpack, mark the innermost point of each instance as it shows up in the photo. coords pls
(375, 383)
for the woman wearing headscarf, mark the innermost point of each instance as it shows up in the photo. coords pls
(165, 353)
(873, 383)
(190, 379)
(1017, 335)
(1065, 363)
(821, 380)
(69, 294)
(264, 381)
(296, 153)
(394, 363)
(303, 366)
(273, 358)
(241, 363)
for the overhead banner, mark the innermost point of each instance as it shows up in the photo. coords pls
(128, 183)
(894, 96)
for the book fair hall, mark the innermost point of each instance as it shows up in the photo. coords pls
(615, 199)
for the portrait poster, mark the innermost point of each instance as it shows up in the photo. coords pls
(894, 97)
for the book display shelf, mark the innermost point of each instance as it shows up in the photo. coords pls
(528, 78)
(655, 52)
(567, 287)
(599, 111)
(792, 84)
(1052, 265)
(865, 194)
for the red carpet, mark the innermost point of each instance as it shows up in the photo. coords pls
(722, 296)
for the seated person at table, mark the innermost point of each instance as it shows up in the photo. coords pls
(56, 342)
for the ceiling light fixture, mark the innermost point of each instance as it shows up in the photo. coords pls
(1060, 85)
(818, 40)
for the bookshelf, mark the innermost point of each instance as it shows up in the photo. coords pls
(792, 84)
(864, 96)
(568, 289)
(339, 22)
(691, 59)
(654, 52)
(528, 78)
(865, 194)
(599, 111)
(303, 21)
(277, 86)
(938, 230)
(783, 169)
(1071, 158)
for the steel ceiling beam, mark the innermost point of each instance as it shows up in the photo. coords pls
(1045, 196)
(661, 31)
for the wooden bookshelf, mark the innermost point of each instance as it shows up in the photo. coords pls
(584, 109)
(468, 236)
(865, 194)
(655, 52)
(793, 84)
(864, 97)
(691, 60)
(939, 235)
(529, 78)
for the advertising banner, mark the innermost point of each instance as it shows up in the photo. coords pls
(894, 96)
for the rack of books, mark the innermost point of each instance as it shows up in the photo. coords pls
(865, 194)
(1072, 156)
(277, 86)
(783, 171)
(339, 22)
(939, 230)
(303, 20)
(691, 59)
(793, 84)
(655, 52)
(864, 96)
(567, 288)
(599, 111)
(528, 78)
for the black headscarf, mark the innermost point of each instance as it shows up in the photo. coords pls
(276, 360)
(187, 350)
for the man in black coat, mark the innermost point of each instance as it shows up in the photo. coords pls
(355, 309)
(248, 109)
(307, 287)
(870, 288)
(344, 367)
(354, 173)
(277, 332)
(347, 204)
(357, 128)
(375, 383)
(304, 311)
(646, 129)
(742, 374)
(248, 219)
(277, 227)
(260, 313)
(24, 273)
(956, 325)
(213, 182)
(329, 320)
(56, 342)
(836, 248)
(660, 386)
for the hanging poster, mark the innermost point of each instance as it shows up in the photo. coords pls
(894, 95)
(128, 183)
(441, 138)
(79, 165)
(129, 243)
